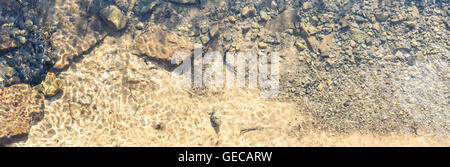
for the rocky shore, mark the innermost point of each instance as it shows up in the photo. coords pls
(98, 73)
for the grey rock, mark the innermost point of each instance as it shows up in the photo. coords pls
(205, 39)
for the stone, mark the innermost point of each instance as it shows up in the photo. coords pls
(307, 5)
(204, 29)
(381, 16)
(214, 31)
(185, 1)
(161, 44)
(343, 23)
(227, 37)
(140, 26)
(6, 71)
(50, 86)
(352, 43)
(307, 30)
(264, 16)
(321, 86)
(195, 31)
(330, 61)
(248, 11)
(232, 19)
(68, 42)
(20, 108)
(283, 21)
(204, 39)
(150, 7)
(357, 35)
(414, 13)
(274, 4)
(262, 45)
(376, 26)
(299, 46)
(114, 17)
(313, 44)
(245, 28)
(22, 40)
(5, 41)
(29, 24)
(327, 44)
(359, 18)
(410, 24)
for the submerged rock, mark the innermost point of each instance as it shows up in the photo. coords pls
(8, 74)
(20, 108)
(114, 17)
(299, 46)
(262, 45)
(50, 86)
(283, 21)
(22, 46)
(327, 44)
(248, 11)
(77, 33)
(204, 39)
(264, 16)
(6, 42)
(161, 44)
(381, 16)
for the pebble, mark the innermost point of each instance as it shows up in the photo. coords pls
(227, 37)
(22, 40)
(140, 26)
(150, 7)
(300, 46)
(232, 19)
(205, 39)
(248, 11)
(264, 16)
(359, 18)
(410, 24)
(262, 45)
(274, 5)
(213, 32)
(381, 16)
(204, 29)
(29, 24)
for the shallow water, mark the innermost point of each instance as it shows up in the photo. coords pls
(350, 73)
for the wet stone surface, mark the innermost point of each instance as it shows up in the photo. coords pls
(376, 68)
(20, 108)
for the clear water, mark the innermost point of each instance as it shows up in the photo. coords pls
(349, 73)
